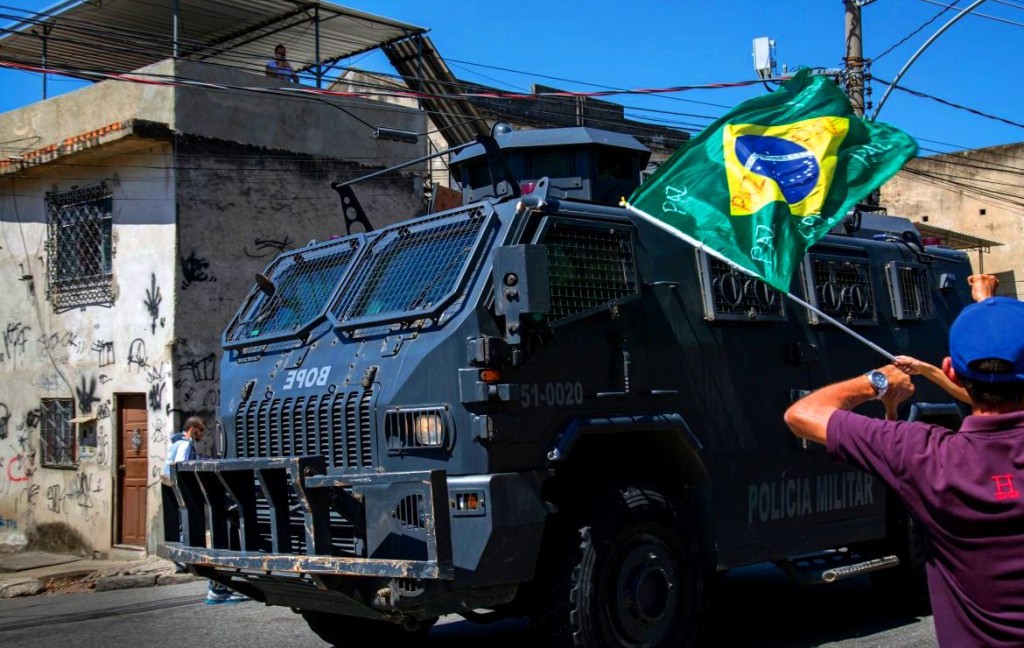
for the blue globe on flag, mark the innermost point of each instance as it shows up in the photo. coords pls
(792, 167)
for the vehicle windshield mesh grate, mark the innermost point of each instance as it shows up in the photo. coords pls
(303, 282)
(413, 267)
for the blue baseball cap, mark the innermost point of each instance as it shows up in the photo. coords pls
(992, 328)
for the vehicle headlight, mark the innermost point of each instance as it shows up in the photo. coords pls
(419, 427)
(429, 430)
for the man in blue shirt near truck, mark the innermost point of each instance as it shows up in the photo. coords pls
(182, 447)
(964, 488)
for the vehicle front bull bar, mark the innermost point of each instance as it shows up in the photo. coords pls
(218, 502)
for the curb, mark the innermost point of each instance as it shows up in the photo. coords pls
(175, 579)
(108, 583)
(13, 587)
(145, 574)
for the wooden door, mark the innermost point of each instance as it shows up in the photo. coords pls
(132, 468)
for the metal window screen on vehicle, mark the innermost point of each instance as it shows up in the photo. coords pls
(908, 289)
(733, 295)
(303, 283)
(841, 288)
(412, 267)
(588, 267)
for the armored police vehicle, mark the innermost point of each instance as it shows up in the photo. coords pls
(536, 405)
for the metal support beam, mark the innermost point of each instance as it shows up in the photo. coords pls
(316, 24)
(46, 32)
(177, 25)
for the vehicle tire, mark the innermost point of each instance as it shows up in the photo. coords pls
(906, 585)
(341, 630)
(629, 574)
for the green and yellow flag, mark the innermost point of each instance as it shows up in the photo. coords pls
(767, 180)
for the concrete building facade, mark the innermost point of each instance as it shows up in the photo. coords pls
(977, 193)
(132, 221)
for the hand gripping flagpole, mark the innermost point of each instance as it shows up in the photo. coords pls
(700, 246)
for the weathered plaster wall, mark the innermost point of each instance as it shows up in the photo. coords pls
(337, 127)
(50, 121)
(354, 81)
(92, 354)
(240, 177)
(323, 126)
(974, 192)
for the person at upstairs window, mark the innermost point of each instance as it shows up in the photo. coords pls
(982, 286)
(280, 68)
(183, 448)
(963, 488)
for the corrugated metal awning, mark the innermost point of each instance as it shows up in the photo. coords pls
(123, 35)
(954, 239)
(423, 70)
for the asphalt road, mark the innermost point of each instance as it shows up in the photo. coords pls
(758, 607)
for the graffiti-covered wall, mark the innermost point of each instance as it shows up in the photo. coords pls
(86, 321)
(130, 229)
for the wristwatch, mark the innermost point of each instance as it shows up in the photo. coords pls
(879, 382)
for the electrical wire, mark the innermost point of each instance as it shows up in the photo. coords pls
(961, 147)
(141, 39)
(148, 39)
(461, 85)
(168, 80)
(951, 104)
(564, 80)
(943, 182)
(915, 32)
(979, 14)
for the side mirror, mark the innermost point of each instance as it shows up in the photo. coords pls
(521, 285)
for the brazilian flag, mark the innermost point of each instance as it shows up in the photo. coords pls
(767, 180)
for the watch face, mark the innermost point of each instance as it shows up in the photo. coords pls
(878, 380)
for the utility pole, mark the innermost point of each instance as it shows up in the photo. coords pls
(854, 57)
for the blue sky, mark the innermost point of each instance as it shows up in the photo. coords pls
(653, 44)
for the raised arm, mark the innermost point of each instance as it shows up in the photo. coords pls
(983, 286)
(808, 417)
(914, 367)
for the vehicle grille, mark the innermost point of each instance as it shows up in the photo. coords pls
(343, 536)
(337, 426)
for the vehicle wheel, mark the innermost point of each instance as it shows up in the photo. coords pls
(629, 575)
(341, 630)
(905, 585)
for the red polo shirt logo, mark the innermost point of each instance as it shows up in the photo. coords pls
(1004, 487)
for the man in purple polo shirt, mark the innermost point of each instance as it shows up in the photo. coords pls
(964, 488)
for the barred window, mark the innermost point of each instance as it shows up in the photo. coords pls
(79, 247)
(58, 432)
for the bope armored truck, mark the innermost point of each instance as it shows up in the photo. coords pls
(536, 404)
